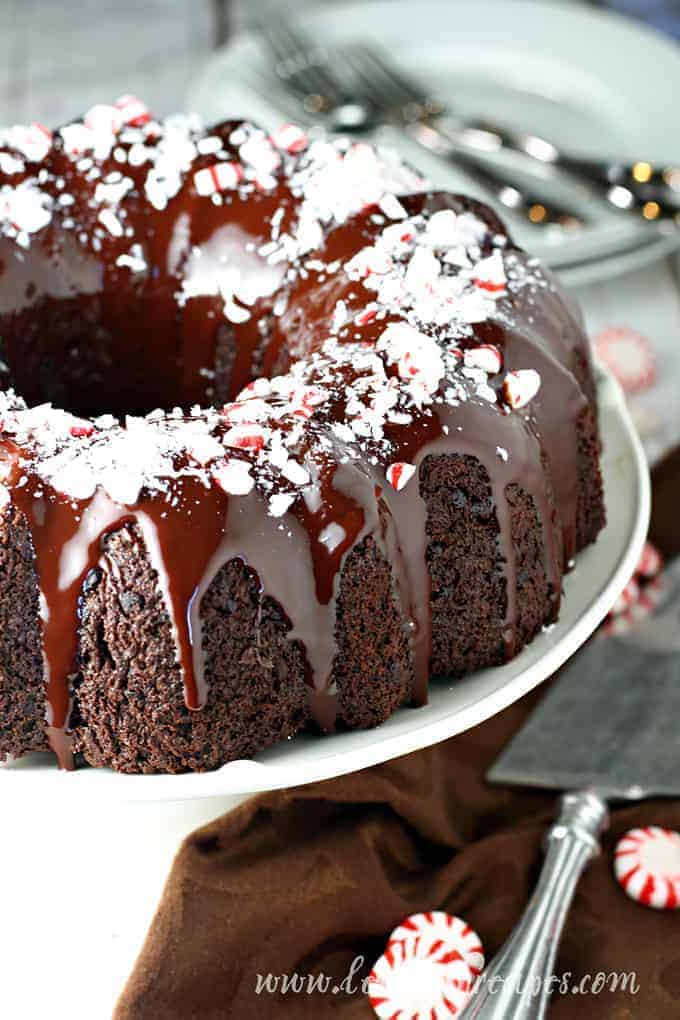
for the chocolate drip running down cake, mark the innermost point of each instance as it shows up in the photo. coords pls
(283, 435)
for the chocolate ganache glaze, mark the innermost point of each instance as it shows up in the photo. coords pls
(263, 356)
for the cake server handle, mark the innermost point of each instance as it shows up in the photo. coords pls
(517, 983)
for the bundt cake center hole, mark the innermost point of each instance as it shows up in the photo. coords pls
(70, 361)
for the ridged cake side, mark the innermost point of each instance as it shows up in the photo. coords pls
(23, 706)
(395, 493)
(129, 710)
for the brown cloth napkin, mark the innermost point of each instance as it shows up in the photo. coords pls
(308, 880)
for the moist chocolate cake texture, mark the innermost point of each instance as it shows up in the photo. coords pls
(284, 434)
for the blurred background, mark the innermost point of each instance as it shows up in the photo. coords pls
(56, 59)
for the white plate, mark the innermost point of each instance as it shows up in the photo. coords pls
(594, 82)
(601, 573)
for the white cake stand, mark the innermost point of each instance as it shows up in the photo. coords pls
(522, 65)
(86, 854)
(590, 590)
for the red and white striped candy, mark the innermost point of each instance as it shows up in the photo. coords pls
(486, 357)
(246, 437)
(647, 866)
(521, 386)
(614, 626)
(646, 603)
(629, 595)
(396, 235)
(399, 473)
(264, 182)
(392, 208)
(304, 399)
(406, 366)
(290, 138)
(310, 396)
(133, 111)
(76, 138)
(641, 595)
(628, 355)
(650, 562)
(81, 429)
(367, 261)
(439, 929)
(366, 315)
(303, 411)
(259, 153)
(490, 275)
(218, 177)
(650, 597)
(25, 209)
(430, 986)
(103, 119)
(247, 411)
(32, 140)
(256, 388)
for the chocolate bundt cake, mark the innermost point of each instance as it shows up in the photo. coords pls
(283, 435)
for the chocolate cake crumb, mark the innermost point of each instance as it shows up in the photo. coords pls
(22, 686)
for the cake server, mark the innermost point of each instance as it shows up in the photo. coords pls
(607, 732)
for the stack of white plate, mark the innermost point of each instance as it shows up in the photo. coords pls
(595, 83)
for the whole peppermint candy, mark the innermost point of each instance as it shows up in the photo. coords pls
(419, 982)
(647, 866)
(628, 355)
(435, 927)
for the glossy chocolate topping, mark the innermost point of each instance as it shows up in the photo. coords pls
(152, 266)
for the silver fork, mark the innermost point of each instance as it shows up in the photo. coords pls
(303, 69)
(638, 187)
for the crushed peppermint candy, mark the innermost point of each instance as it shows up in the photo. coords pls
(101, 119)
(246, 437)
(333, 179)
(486, 356)
(234, 477)
(291, 138)
(280, 503)
(400, 340)
(399, 474)
(521, 386)
(418, 357)
(33, 141)
(218, 177)
(10, 165)
(25, 209)
(132, 111)
(330, 179)
(430, 270)
(490, 275)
